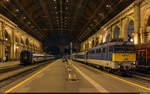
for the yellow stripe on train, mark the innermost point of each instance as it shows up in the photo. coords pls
(123, 57)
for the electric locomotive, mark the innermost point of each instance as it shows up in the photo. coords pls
(27, 57)
(113, 56)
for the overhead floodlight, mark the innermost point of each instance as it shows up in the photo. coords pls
(66, 8)
(24, 17)
(29, 23)
(17, 10)
(108, 6)
(17, 47)
(7, 0)
(131, 40)
(32, 26)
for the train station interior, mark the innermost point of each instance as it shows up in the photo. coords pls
(75, 46)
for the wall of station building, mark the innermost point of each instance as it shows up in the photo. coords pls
(132, 23)
(13, 40)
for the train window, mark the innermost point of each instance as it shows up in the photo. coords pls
(106, 50)
(125, 49)
(110, 49)
(94, 51)
(89, 52)
(103, 50)
(97, 51)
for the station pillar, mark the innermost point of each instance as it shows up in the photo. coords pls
(1, 42)
(137, 33)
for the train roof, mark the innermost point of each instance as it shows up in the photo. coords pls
(111, 44)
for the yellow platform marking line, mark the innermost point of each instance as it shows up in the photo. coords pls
(9, 90)
(131, 83)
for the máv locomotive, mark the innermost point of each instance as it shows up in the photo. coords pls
(112, 56)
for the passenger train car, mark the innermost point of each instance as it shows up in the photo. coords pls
(112, 56)
(143, 57)
(27, 57)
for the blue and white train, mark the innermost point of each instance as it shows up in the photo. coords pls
(27, 57)
(112, 56)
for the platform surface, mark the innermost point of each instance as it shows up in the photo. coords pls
(55, 78)
(8, 63)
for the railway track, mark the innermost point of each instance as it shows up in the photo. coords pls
(141, 76)
(8, 77)
(10, 68)
(137, 75)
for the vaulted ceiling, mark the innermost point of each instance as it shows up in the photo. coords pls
(61, 21)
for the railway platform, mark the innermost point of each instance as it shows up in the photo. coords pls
(60, 76)
(54, 78)
(8, 64)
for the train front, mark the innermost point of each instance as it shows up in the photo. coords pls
(26, 57)
(124, 56)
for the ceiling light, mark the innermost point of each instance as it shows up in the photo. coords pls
(108, 6)
(6, 0)
(66, 8)
(29, 23)
(17, 47)
(131, 40)
(24, 17)
(17, 10)
(32, 26)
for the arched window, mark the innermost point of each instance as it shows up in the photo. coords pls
(116, 32)
(107, 37)
(148, 23)
(7, 37)
(87, 45)
(16, 39)
(22, 41)
(27, 42)
(130, 30)
(93, 43)
(97, 41)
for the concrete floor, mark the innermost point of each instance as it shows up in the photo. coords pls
(111, 83)
(55, 78)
